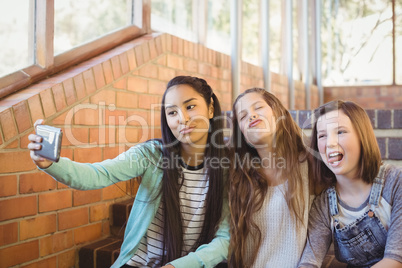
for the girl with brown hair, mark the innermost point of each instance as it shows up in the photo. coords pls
(269, 186)
(361, 209)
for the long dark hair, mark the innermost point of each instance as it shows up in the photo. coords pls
(248, 187)
(370, 156)
(173, 227)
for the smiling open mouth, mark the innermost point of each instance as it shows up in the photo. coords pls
(334, 158)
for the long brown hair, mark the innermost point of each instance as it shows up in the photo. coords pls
(248, 187)
(370, 157)
(173, 226)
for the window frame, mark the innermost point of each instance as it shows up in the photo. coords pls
(46, 63)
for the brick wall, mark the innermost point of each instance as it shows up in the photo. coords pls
(103, 105)
(369, 97)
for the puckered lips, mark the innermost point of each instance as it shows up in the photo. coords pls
(187, 130)
(254, 123)
(334, 158)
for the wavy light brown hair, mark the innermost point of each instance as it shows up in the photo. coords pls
(248, 187)
(370, 157)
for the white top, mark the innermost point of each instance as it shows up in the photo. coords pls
(282, 244)
(192, 195)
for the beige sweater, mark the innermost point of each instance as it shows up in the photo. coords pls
(282, 243)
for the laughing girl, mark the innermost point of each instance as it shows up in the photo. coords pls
(361, 210)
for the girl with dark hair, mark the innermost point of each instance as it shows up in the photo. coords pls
(269, 187)
(179, 215)
(361, 209)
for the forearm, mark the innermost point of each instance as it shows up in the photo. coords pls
(388, 263)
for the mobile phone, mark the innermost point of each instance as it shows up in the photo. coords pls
(51, 142)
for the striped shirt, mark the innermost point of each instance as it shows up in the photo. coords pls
(192, 195)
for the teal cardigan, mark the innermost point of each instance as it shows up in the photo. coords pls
(140, 160)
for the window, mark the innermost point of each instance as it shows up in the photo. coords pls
(41, 37)
(398, 41)
(16, 35)
(357, 42)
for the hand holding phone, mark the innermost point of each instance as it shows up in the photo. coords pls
(51, 142)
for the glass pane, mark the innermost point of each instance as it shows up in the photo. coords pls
(251, 27)
(78, 22)
(275, 30)
(357, 42)
(174, 17)
(218, 31)
(16, 47)
(398, 41)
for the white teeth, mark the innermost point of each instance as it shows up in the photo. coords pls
(335, 163)
(333, 154)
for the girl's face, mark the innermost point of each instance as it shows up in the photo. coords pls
(338, 144)
(188, 115)
(256, 119)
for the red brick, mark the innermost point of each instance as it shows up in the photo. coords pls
(125, 68)
(99, 77)
(66, 259)
(149, 71)
(145, 52)
(128, 135)
(137, 84)
(121, 84)
(100, 136)
(75, 136)
(132, 62)
(116, 68)
(87, 233)
(138, 55)
(106, 97)
(113, 118)
(149, 102)
(98, 212)
(137, 118)
(8, 185)
(55, 200)
(56, 243)
(72, 218)
(157, 87)
(36, 182)
(59, 97)
(16, 162)
(38, 226)
(79, 87)
(88, 155)
(127, 100)
(47, 102)
(158, 45)
(114, 191)
(86, 197)
(14, 144)
(86, 115)
(43, 263)
(7, 124)
(89, 81)
(107, 70)
(8, 233)
(112, 152)
(69, 91)
(152, 49)
(166, 74)
(20, 253)
(18, 207)
(35, 108)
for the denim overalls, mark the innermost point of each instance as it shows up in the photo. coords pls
(361, 243)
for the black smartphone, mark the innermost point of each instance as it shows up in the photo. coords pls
(51, 142)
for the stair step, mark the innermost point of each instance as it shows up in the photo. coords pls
(89, 253)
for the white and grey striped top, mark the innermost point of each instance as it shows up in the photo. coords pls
(192, 195)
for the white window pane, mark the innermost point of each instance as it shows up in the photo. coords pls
(218, 26)
(78, 22)
(398, 41)
(251, 36)
(16, 49)
(174, 17)
(357, 42)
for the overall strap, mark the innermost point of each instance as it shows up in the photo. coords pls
(376, 189)
(333, 201)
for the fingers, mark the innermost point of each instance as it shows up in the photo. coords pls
(38, 122)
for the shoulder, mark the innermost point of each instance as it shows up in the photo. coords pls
(393, 182)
